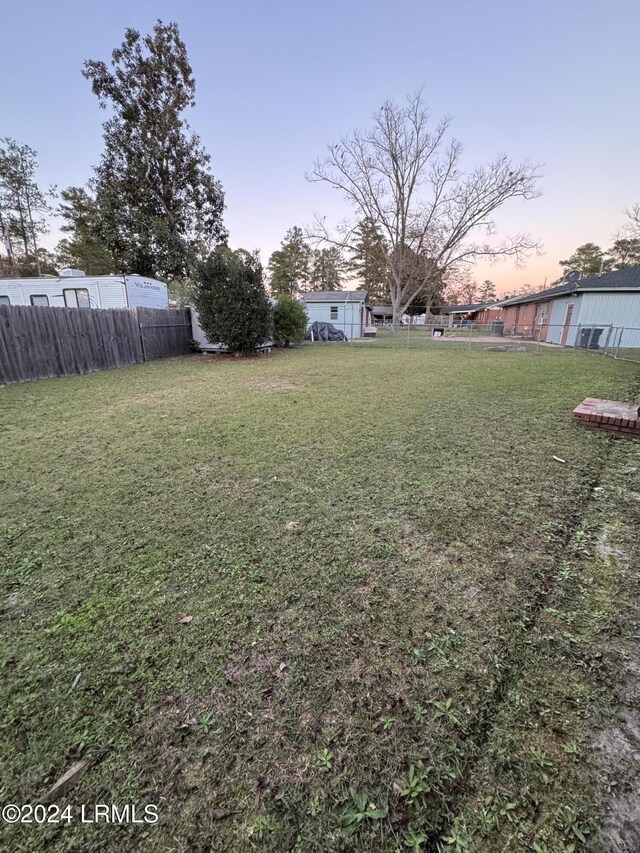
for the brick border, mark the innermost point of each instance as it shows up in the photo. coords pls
(611, 415)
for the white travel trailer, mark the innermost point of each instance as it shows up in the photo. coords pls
(74, 289)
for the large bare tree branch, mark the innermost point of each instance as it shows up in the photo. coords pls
(407, 180)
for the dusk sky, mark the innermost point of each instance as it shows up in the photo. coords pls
(554, 82)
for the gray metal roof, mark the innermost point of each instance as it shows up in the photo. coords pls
(628, 279)
(463, 309)
(336, 296)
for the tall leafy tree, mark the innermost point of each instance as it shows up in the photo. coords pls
(589, 259)
(160, 208)
(625, 252)
(328, 269)
(487, 291)
(290, 265)
(83, 249)
(229, 296)
(23, 205)
(369, 261)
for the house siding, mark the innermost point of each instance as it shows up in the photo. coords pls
(520, 319)
(488, 315)
(557, 314)
(620, 310)
(350, 316)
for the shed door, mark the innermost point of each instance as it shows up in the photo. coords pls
(567, 323)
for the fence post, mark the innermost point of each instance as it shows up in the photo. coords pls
(140, 327)
(619, 341)
(470, 335)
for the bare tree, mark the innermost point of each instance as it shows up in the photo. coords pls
(407, 180)
(632, 228)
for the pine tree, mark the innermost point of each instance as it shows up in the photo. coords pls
(328, 268)
(589, 259)
(369, 262)
(23, 205)
(289, 266)
(487, 291)
(160, 209)
(83, 249)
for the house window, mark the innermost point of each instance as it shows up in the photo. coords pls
(76, 297)
(334, 312)
(4, 300)
(39, 300)
(542, 319)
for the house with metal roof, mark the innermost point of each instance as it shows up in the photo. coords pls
(347, 310)
(579, 310)
(476, 312)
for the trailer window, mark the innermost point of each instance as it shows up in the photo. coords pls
(76, 297)
(39, 300)
(334, 312)
(4, 300)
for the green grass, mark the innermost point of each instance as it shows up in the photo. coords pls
(367, 540)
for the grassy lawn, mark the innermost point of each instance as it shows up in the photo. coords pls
(379, 553)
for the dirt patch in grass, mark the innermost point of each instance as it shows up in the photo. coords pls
(275, 385)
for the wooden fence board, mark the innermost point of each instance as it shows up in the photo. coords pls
(38, 342)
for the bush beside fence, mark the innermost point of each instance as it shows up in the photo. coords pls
(39, 342)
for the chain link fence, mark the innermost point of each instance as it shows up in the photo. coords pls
(619, 342)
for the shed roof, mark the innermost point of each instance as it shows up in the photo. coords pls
(627, 279)
(336, 296)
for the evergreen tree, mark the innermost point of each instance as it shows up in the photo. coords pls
(83, 249)
(589, 259)
(487, 291)
(289, 321)
(160, 209)
(289, 266)
(369, 262)
(23, 206)
(230, 299)
(328, 268)
(625, 252)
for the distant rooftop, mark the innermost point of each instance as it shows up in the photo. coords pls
(628, 279)
(335, 296)
(464, 309)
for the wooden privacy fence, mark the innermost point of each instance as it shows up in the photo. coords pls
(39, 342)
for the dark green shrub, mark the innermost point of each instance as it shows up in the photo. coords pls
(289, 321)
(233, 308)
